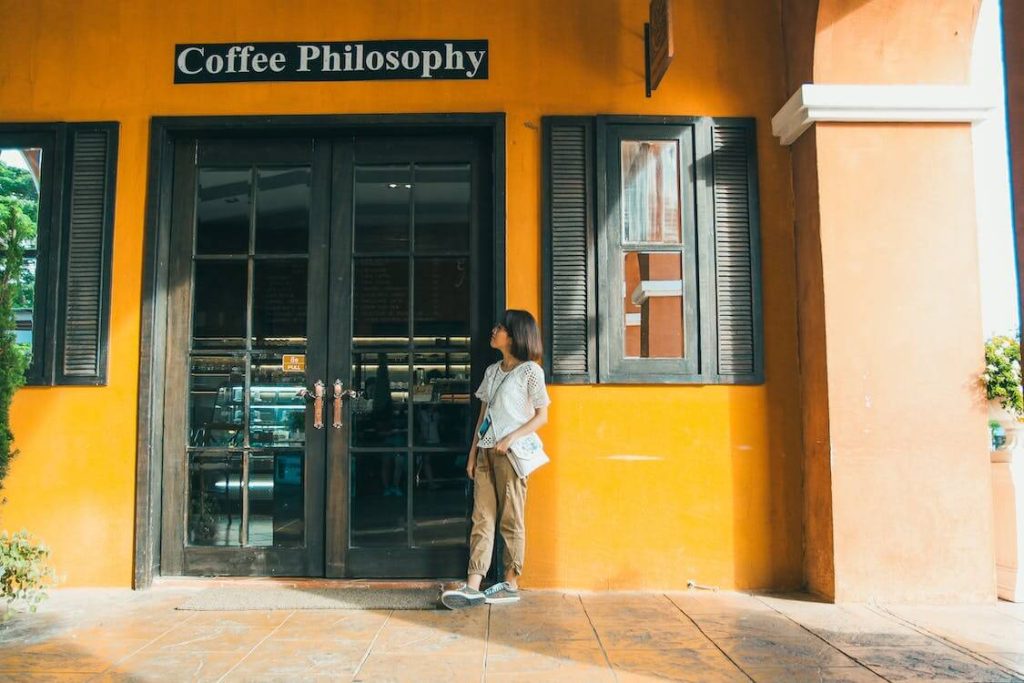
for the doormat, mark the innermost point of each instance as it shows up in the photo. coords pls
(237, 599)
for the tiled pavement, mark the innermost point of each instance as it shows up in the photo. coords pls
(697, 636)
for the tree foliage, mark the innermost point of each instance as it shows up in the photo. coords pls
(14, 225)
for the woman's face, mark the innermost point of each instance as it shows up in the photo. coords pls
(499, 338)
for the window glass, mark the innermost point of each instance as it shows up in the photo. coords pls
(653, 301)
(650, 191)
(19, 189)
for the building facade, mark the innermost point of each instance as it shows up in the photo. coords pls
(761, 350)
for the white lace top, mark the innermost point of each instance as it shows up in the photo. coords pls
(515, 402)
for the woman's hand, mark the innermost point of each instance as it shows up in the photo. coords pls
(471, 463)
(503, 445)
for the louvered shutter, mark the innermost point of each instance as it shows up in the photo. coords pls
(739, 334)
(568, 250)
(86, 242)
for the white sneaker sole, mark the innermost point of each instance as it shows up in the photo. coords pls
(455, 600)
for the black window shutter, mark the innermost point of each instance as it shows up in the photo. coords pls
(568, 249)
(739, 330)
(86, 243)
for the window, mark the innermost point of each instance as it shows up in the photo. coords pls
(58, 178)
(651, 250)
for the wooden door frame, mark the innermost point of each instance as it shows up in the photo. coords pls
(164, 131)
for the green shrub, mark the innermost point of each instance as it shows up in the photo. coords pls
(15, 226)
(1002, 373)
(24, 574)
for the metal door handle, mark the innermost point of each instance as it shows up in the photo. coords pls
(340, 393)
(316, 395)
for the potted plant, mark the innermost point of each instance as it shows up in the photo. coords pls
(1006, 405)
(1002, 383)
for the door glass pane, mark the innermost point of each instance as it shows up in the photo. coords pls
(378, 502)
(381, 211)
(276, 499)
(441, 194)
(650, 191)
(380, 412)
(380, 301)
(653, 305)
(442, 298)
(441, 500)
(222, 211)
(215, 499)
(440, 400)
(216, 402)
(220, 293)
(279, 303)
(282, 210)
(277, 414)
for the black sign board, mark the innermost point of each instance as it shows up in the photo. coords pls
(658, 46)
(372, 60)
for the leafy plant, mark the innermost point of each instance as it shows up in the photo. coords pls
(24, 574)
(14, 225)
(1002, 373)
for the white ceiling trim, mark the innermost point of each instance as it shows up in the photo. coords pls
(879, 104)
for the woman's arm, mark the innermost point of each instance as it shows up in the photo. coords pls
(539, 419)
(471, 462)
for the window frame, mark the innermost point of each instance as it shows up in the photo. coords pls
(50, 138)
(614, 366)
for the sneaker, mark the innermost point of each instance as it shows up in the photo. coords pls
(501, 593)
(463, 596)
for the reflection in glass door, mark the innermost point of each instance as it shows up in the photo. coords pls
(412, 315)
(245, 222)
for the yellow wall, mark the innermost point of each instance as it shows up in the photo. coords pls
(650, 486)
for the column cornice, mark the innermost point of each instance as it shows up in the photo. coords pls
(812, 103)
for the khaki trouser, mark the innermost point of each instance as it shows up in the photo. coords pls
(499, 495)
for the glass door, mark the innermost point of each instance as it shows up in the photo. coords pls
(244, 441)
(406, 348)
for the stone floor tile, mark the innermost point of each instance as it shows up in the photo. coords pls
(805, 651)
(638, 635)
(300, 660)
(927, 663)
(705, 602)
(507, 626)
(851, 674)
(46, 678)
(1011, 660)
(426, 641)
(545, 657)
(577, 674)
(979, 628)
(380, 668)
(748, 625)
(150, 665)
(235, 632)
(703, 664)
(464, 621)
(345, 625)
(55, 656)
(547, 601)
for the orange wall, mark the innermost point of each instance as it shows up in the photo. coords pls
(650, 486)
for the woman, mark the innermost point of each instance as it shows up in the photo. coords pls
(514, 404)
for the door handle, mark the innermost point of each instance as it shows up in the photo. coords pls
(340, 393)
(316, 395)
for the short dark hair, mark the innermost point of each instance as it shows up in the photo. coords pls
(522, 327)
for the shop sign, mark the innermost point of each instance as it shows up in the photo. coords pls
(658, 46)
(377, 60)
